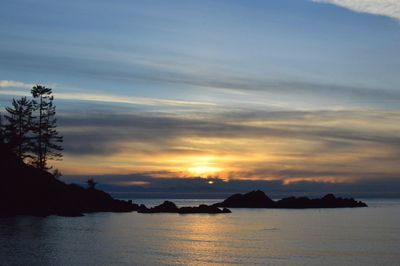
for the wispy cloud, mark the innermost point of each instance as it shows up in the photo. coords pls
(128, 100)
(388, 8)
(308, 145)
(15, 84)
(24, 88)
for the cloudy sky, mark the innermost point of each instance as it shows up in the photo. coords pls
(175, 94)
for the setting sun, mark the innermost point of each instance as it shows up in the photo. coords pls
(204, 167)
(204, 170)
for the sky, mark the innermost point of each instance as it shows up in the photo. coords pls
(215, 96)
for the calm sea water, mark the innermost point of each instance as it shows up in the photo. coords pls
(364, 236)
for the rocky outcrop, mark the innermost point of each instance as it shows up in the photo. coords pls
(167, 207)
(258, 199)
(328, 201)
(170, 207)
(253, 199)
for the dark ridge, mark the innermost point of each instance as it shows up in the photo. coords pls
(170, 207)
(26, 190)
(258, 199)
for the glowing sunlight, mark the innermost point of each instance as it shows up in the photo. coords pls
(204, 167)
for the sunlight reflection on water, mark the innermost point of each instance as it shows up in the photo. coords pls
(364, 236)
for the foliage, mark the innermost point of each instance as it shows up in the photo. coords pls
(91, 183)
(30, 129)
(1, 130)
(18, 127)
(57, 174)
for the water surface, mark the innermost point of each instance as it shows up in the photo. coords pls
(361, 236)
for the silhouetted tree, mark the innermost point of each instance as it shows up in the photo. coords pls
(1, 129)
(18, 127)
(47, 140)
(57, 174)
(91, 184)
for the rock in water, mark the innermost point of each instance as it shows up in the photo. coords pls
(170, 207)
(258, 199)
(253, 199)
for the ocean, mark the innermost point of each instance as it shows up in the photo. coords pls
(360, 236)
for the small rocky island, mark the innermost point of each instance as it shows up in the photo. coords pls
(170, 207)
(258, 199)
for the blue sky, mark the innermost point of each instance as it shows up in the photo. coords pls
(184, 49)
(201, 76)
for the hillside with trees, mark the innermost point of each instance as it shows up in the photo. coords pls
(29, 140)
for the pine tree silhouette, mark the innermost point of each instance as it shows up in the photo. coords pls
(18, 127)
(46, 138)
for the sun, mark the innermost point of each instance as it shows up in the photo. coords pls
(204, 167)
(204, 170)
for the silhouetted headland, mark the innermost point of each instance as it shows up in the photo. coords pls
(26, 190)
(258, 199)
(170, 207)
